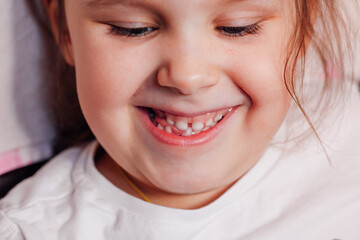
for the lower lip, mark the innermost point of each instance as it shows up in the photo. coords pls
(175, 140)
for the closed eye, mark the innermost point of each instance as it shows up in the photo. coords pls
(239, 31)
(131, 32)
(144, 31)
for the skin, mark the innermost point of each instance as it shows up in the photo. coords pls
(186, 66)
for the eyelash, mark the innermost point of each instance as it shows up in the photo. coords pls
(240, 31)
(144, 31)
(131, 32)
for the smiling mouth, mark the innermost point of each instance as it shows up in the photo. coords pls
(186, 126)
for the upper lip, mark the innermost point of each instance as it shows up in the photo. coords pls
(188, 113)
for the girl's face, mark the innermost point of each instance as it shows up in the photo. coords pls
(183, 65)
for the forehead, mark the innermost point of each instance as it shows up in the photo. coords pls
(259, 3)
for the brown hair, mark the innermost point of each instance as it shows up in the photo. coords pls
(319, 21)
(69, 121)
(324, 23)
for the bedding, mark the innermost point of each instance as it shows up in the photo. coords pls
(26, 130)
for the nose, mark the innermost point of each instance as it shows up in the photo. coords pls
(187, 70)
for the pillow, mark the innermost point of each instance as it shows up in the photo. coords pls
(26, 130)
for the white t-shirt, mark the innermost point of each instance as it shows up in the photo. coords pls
(286, 195)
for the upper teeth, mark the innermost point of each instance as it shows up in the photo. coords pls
(209, 122)
(197, 126)
(169, 121)
(218, 117)
(181, 125)
(186, 126)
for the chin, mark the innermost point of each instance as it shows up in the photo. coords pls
(190, 183)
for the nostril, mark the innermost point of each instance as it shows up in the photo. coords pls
(187, 78)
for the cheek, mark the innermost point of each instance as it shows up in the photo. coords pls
(108, 74)
(260, 75)
(106, 77)
(259, 72)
